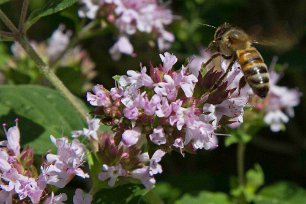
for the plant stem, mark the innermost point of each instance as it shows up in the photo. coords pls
(49, 74)
(23, 15)
(240, 163)
(8, 23)
(6, 34)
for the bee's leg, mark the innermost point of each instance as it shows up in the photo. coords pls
(229, 68)
(242, 83)
(227, 56)
(216, 55)
(211, 58)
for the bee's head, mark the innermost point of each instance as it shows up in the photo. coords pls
(221, 30)
(233, 38)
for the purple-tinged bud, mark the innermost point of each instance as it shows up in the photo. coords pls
(130, 159)
(115, 112)
(107, 110)
(117, 103)
(151, 70)
(115, 121)
(156, 74)
(125, 156)
(108, 151)
(19, 167)
(198, 111)
(26, 157)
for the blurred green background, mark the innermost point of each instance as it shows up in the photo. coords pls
(281, 23)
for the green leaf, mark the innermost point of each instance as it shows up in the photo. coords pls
(236, 137)
(205, 197)
(41, 111)
(4, 56)
(51, 7)
(281, 193)
(167, 192)
(116, 78)
(128, 194)
(254, 178)
(4, 1)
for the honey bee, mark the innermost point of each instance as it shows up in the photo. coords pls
(235, 45)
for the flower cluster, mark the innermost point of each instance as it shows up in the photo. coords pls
(277, 106)
(20, 180)
(52, 52)
(165, 110)
(281, 100)
(130, 16)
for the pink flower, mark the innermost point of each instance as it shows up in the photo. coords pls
(58, 42)
(13, 139)
(111, 173)
(99, 98)
(184, 116)
(149, 107)
(201, 135)
(28, 187)
(144, 176)
(130, 16)
(158, 136)
(168, 61)
(131, 113)
(232, 108)
(155, 167)
(186, 82)
(165, 40)
(164, 109)
(59, 199)
(196, 62)
(6, 197)
(131, 137)
(66, 164)
(10, 177)
(281, 100)
(4, 164)
(167, 88)
(276, 120)
(179, 143)
(116, 93)
(136, 79)
(81, 198)
(122, 46)
(91, 132)
(89, 10)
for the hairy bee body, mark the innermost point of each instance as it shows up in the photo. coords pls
(255, 70)
(236, 45)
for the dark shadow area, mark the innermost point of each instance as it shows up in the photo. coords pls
(29, 129)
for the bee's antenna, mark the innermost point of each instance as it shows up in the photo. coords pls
(207, 25)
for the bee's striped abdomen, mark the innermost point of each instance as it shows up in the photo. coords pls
(255, 70)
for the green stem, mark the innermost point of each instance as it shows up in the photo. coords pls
(6, 34)
(240, 163)
(23, 15)
(8, 23)
(49, 74)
